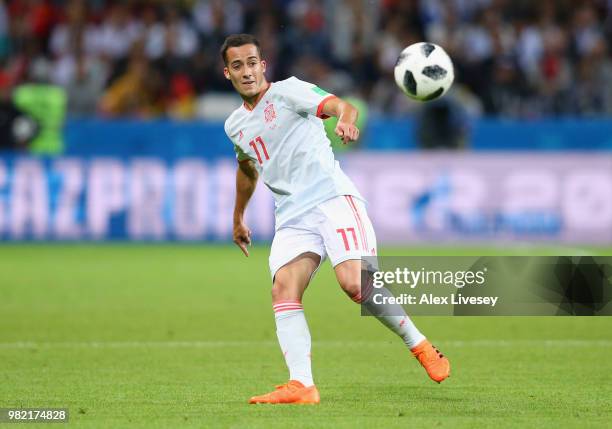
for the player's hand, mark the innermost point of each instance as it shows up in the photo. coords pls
(242, 237)
(347, 132)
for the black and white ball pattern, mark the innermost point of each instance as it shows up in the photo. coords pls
(424, 71)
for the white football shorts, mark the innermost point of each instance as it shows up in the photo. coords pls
(338, 228)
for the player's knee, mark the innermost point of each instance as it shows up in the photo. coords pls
(283, 290)
(352, 287)
(277, 290)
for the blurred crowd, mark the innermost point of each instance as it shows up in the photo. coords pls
(513, 58)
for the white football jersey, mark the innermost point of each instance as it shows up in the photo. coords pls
(284, 137)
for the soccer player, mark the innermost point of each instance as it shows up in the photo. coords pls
(278, 134)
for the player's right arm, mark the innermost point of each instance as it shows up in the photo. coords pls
(246, 180)
(305, 97)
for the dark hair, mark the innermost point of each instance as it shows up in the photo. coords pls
(235, 40)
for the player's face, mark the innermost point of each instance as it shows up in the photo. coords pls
(245, 69)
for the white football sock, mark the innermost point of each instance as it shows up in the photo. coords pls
(294, 339)
(392, 316)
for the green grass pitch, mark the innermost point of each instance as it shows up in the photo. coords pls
(181, 336)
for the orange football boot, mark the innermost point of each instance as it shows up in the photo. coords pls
(292, 392)
(434, 362)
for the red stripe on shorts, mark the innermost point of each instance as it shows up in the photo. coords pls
(364, 239)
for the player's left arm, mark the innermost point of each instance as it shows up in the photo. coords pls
(347, 116)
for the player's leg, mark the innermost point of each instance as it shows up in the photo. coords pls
(348, 234)
(292, 331)
(295, 256)
(349, 274)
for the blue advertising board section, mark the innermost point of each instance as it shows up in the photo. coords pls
(163, 180)
(169, 140)
(173, 140)
(566, 134)
(416, 197)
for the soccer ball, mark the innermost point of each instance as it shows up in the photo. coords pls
(424, 71)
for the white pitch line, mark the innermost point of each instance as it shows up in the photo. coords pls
(322, 344)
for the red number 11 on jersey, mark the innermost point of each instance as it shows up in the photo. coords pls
(253, 144)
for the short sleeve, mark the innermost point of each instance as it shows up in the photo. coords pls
(305, 97)
(240, 154)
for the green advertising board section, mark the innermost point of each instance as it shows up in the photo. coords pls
(47, 105)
